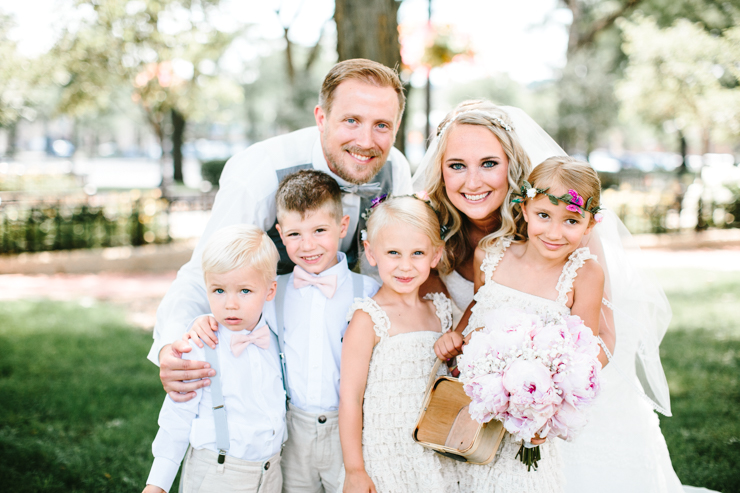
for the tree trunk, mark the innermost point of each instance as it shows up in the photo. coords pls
(369, 29)
(178, 131)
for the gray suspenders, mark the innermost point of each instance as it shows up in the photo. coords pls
(219, 412)
(358, 289)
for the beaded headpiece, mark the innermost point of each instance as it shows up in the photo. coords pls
(497, 120)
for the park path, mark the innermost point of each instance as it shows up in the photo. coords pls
(142, 292)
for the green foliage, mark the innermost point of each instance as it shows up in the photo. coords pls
(682, 74)
(80, 401)
(701, 358)
(211, 170)
(166, 52)
(66, 226)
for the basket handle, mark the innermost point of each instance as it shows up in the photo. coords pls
(433, 375)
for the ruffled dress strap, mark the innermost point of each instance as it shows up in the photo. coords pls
(570, 271)
(443, 309)
(490, 262)
(381, 322)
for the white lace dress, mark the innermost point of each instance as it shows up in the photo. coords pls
(396, 383)
(507, 474)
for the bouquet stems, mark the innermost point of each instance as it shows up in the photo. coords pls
(529, 454)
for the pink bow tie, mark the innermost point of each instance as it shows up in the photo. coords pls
(259, 337)
(327, 284)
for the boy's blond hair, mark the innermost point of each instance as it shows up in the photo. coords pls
(240, 245)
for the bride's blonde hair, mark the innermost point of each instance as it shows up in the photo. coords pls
(485, 114)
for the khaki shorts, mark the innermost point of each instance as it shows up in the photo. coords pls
(312, 457)
(201, 473)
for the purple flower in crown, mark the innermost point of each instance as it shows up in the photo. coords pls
(377, 200)
(577, 200)
(573, 208)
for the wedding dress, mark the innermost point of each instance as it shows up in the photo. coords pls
(622, 448)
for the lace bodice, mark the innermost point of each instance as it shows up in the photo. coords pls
(396, 384)
(493, 295)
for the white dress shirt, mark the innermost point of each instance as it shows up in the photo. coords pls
(254, 400)
(314, 328)
(247, 196)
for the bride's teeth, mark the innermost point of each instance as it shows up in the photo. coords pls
(475, 197)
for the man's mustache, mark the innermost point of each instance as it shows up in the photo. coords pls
(362, 151)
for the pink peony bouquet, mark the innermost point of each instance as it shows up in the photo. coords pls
(536, 376)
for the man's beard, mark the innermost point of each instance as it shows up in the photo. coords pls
(340, 169)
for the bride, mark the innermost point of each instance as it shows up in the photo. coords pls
(469, 171)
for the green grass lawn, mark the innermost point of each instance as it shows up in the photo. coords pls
(701, 358)
(79, 401)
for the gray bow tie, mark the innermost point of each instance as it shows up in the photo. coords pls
(367, 190)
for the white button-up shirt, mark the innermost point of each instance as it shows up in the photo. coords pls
(314, 329)
(254, 400)
(247, 196)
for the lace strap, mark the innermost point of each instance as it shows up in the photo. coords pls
(490, 262)
(443, 309)
(381, 322)
(570, 271)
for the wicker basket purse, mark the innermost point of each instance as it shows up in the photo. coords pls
(445, 425)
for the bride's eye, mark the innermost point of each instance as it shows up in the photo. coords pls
(457, 166)
(489, 164)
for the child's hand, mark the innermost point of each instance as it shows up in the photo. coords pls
(150, 488)
(537, 440)
(449, 345)
(203, 329)
(358, 482)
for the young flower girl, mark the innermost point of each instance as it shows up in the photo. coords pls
(388, 355)
(541, 270)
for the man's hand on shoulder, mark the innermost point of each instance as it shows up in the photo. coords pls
(174, 372)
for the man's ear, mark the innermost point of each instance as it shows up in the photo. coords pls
(369, 254)
(271, 291)
(320, 117)
(344, 226)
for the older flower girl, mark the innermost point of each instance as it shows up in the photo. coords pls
(541, 270)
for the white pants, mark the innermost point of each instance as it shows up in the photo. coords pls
(201, 473)
(312, 457)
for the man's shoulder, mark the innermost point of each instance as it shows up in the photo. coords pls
(281, 151)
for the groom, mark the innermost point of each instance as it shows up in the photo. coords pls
(359, 111)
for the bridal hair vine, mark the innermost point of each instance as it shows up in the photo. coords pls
(575, 202)
(498, 120)
(422, 196)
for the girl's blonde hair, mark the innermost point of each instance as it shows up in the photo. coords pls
(409, 211)
(569, 173)
(240, 245)
(485, 114)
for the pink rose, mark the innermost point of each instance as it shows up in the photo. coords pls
(580, 384)
(489, 398)
(549, 336)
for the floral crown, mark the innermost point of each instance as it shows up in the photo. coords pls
(498, 120)
(422, 196)
(575, 202)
